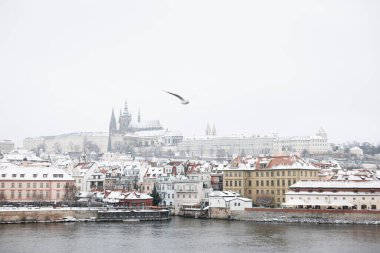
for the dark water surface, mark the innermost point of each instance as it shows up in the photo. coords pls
(189, 235)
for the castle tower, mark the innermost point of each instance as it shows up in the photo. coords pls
(322, 133)
(124, 119)
(208, 130)
(213, 130)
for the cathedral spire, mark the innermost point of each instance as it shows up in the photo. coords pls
(208, 129)
(112, 130)
(139, 117)
(126, 108)
(112, 127)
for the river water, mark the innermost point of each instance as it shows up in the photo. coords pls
(188, 235)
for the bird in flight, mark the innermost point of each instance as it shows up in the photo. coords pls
(183, 101)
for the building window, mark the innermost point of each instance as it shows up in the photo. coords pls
(249, 183)
(226, 183)
(19, 185)
(27, 185)
(19, 194)
(22, 175)
(58, 185)
(45, 175)
(183, 196)
(41, 185)
(3, 175)
(47, 185)
(14, 175)
(34, 175)
(12, 194)
(13, 185)
(235, 183)
(239, 182)
(267, 183)
(2, 184)
(257, 183)
(58, 195)
(27, 194)
(249, 192)
(34, 185)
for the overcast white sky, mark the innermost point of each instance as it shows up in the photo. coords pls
(251, 67)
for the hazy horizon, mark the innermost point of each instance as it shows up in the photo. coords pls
(248, 67)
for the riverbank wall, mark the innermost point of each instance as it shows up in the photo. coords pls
(17, 216)
(80, 214)
(303, 216)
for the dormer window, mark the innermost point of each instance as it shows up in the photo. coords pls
(34, 175)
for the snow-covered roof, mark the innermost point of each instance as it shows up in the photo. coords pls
(14, 172)
(224, 194)
(145, 124)
(336, 184)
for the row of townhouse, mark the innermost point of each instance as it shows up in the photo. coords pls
(266, 179)
(337, 194)
(30, 184)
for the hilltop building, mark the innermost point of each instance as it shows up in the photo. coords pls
(124, 135)
(301, 145)
(6, 146)
(148, 135)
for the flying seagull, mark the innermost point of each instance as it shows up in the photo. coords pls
(183, 101)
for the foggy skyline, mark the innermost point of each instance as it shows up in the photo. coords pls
(249, 67)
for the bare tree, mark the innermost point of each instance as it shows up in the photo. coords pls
(3, 198)
(264, 200)
(70, 193)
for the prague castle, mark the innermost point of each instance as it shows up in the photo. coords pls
(126, 135)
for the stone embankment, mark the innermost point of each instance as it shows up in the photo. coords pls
(25, 215)
(30, 215)
(301, 215)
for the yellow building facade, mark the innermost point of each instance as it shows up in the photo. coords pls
(267, 179)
